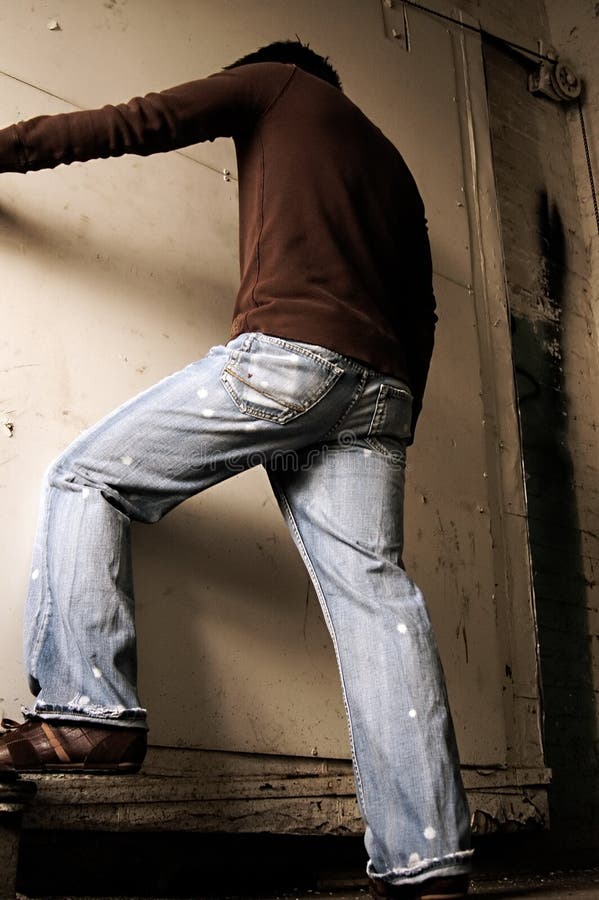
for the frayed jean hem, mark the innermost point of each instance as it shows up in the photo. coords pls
(453, 864)
(126, 718)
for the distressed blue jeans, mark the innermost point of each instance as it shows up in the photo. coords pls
(331, 434)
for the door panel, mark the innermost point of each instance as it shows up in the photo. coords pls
(118, 272)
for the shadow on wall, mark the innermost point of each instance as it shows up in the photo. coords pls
(107, 261)
(563, 630)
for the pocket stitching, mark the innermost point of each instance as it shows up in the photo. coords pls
(243, 406)
(295, 348)
(379, 412)
(284, 403)
(330, 371)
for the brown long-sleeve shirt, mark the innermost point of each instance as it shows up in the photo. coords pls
(333, 240)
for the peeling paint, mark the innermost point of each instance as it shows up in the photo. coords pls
(507, 811)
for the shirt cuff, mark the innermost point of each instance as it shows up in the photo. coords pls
(12, 155)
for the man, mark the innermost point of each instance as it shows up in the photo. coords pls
(329, 352)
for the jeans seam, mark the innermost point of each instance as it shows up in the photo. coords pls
(37, 643)
(357, 395)
(298, 347)
(378, 416)
(321, 596)
(376, 445)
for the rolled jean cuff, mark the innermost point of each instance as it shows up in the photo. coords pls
(119, 718)
(459, 863)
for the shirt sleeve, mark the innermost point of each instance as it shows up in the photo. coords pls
(223, 105)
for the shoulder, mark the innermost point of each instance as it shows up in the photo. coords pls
(261, 73)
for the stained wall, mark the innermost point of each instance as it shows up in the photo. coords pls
(550, 241)
(549, 246)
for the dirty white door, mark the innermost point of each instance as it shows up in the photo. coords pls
(117, 272)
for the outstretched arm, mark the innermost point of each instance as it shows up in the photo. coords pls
(221, 105)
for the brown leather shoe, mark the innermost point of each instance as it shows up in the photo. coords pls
(453, 887)
(40, 746)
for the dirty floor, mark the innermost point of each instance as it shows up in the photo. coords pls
(266, 867)
(559, 885)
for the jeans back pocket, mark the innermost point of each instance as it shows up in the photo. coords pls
(270, 378)
(391, 423)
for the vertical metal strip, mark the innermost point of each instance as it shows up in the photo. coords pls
(589, 163)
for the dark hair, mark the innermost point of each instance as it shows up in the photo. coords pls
(296, 53)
